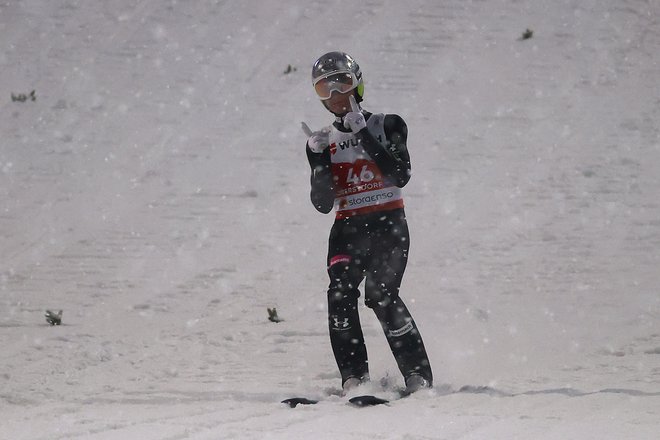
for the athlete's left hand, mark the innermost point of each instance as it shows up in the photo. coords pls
(354, 120)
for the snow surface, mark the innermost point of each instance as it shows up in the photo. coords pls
(157, 192)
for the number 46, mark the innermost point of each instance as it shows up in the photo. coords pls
(366, 175)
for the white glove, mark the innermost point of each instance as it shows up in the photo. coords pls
(317, 140)
(354, 120)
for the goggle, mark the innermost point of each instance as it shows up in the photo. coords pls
(341, 82)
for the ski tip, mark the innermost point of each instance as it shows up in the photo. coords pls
(295, 401)
(362, 401)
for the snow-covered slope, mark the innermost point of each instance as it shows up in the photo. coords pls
(157, 192)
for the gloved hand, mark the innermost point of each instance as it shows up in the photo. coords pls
(354, 120)
(317, 140)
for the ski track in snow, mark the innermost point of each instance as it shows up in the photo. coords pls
(157, 192)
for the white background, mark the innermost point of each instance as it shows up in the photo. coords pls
(157, 192)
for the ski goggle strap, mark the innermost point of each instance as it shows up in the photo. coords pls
(341, 82)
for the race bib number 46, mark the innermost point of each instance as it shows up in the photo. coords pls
(358, 177)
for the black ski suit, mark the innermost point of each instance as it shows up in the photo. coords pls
(369, 244)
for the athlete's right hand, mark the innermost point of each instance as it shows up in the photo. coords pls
(317, 140)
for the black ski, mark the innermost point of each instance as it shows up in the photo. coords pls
(367, 400)
(357, 401)
(370, 400)
(295, 401)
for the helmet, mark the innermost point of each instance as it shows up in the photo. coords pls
(337, 71)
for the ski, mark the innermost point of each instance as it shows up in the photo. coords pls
(371, 400)
(367, 400)
(357, 401)
(295, 401)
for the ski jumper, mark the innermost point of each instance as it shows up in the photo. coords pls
(361, 176)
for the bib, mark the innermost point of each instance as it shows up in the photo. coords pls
(360, 186)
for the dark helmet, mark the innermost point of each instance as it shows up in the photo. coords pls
(332, 63)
